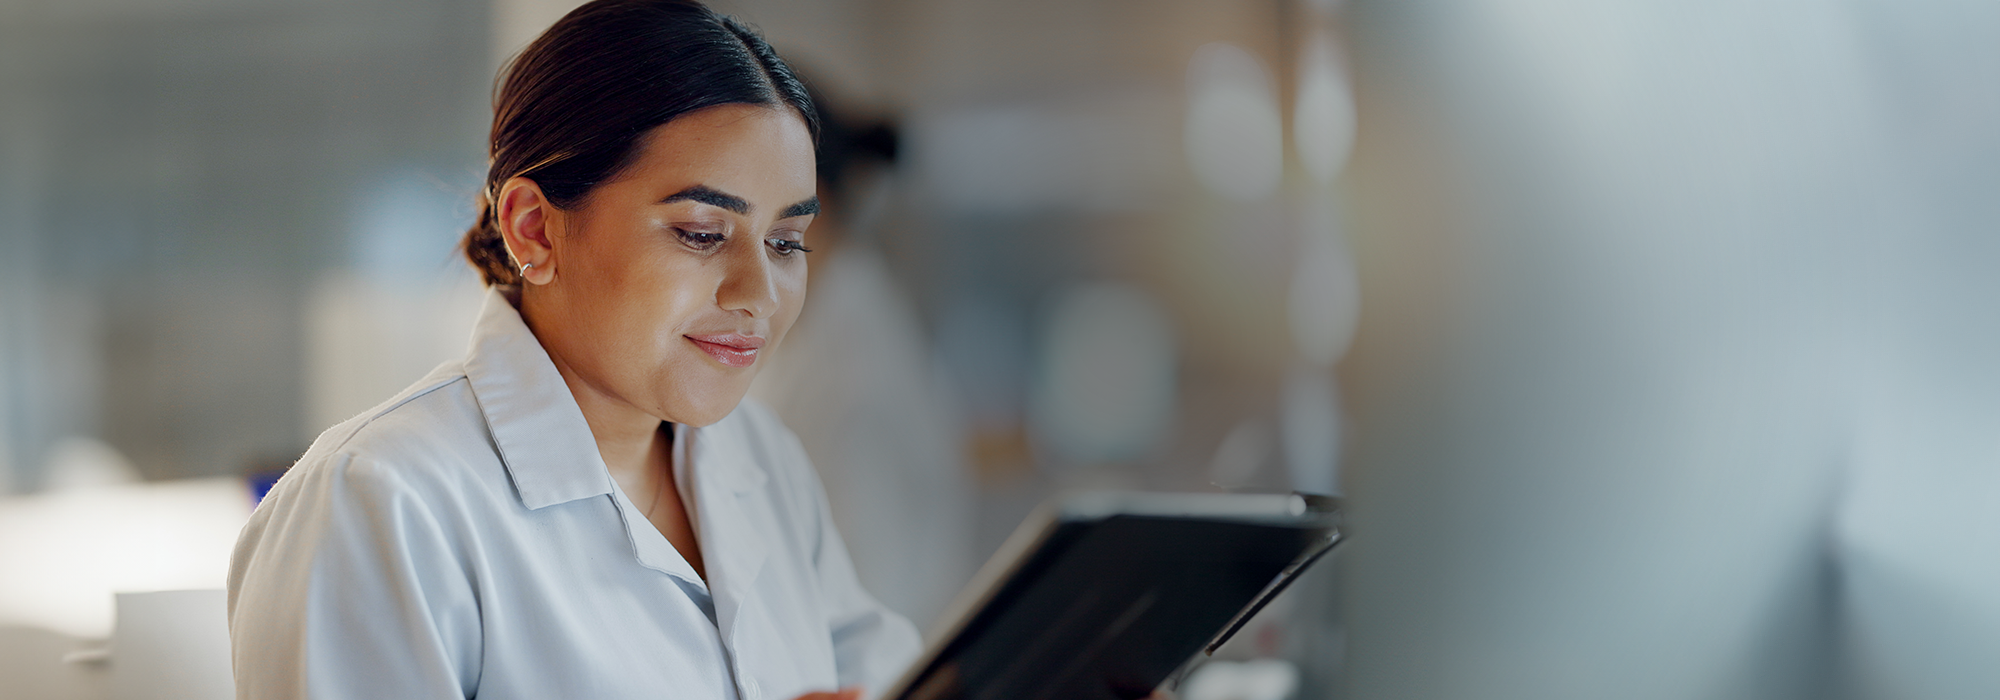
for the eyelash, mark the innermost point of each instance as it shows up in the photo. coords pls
(703, 240)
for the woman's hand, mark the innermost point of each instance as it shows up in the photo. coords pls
(851, 693)
(854, 693)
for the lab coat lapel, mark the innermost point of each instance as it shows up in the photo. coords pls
(541, 434)
(734, 547)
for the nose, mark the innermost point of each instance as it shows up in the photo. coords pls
(748, 283)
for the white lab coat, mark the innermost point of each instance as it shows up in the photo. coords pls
(465, 539)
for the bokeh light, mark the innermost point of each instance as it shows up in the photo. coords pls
(1234, 139)
(1323, 116)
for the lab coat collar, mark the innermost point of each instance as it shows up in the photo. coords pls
(712, 471)
(722, 452)
(725, 478)
(541, 434)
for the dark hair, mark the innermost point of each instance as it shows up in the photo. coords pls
(571, 107)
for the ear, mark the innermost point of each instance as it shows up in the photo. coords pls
(524, 216)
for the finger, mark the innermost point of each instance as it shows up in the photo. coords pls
(851, 693)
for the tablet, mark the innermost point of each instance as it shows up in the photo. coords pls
(1102, 596)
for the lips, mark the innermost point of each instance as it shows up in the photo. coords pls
(730, 349)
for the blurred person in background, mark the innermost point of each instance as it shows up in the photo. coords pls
(582, 507)
(856, 382)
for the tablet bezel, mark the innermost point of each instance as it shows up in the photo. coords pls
(1294, 510)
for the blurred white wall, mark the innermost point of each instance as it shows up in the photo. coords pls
(1678, 376)
(177, 175)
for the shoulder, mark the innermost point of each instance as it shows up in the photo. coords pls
(421, 439)
(380, 512)
(424, 412)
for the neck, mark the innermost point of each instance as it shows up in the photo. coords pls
(633, 443)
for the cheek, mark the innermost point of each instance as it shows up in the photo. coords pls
(792, 301)
(645, 294)
(602, 256)
(660, 300)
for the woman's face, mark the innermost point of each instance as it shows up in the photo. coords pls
(673, 281)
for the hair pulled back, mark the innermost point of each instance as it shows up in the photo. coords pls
(570, 109)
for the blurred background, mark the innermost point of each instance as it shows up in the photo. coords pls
(1655, 346)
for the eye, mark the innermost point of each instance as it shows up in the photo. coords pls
(788, 247)
(701, 240)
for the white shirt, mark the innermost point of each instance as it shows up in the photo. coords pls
(465, 539)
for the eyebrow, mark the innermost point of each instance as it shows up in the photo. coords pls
(804, 208)
(712, 197)
(718, 198)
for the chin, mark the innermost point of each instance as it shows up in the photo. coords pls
(708, 406)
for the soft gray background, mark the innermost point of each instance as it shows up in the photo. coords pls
(1678, 372)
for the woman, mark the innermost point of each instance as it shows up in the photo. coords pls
(580, 508)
